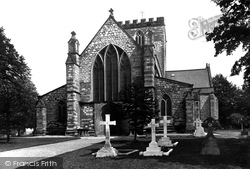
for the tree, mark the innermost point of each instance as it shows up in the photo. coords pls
(229, 97)
(17, 92)
(139, 105)
(233, 31)
(239, 119)
(24, 116)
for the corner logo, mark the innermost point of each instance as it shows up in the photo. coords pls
(200, 26)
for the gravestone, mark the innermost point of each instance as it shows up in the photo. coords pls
(153, 149)
(199, 131)
(210, 146)
(165, 140)
(107, 150)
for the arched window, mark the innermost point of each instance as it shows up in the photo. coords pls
(62, 112)
(125, 71)
(139, 37)
(98, 81)
(166, 106)
(111, 73)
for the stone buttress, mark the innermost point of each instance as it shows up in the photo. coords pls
(73, 94)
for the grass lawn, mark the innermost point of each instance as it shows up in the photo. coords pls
(23, 142)
(235, 153)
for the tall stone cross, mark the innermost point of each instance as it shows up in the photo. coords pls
(165, 140)
(153, 125)
(165, 125)
(107, 123)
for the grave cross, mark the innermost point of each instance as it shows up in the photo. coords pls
(198, 123)
(107, 123)
(153, 125)
(165, 125)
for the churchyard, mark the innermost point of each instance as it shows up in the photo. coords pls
(218, 149)
(234, 153)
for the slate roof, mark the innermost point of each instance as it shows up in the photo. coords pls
(200, 78)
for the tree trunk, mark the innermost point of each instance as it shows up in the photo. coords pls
(8, 126)
(135, 130)
(18, 132)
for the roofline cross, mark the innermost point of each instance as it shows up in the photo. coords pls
(111, 12)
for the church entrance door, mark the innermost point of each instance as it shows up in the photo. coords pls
(122, 126)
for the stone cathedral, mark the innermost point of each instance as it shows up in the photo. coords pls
(118, 54)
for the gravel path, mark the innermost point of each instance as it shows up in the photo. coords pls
(45, 151)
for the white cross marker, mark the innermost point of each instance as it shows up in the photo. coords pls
(107, 123)
(165, 125)
(153, 125)
(198, 123)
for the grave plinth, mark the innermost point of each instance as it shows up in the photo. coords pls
(199, 131)
(210, 146)
(107, 150)
(165, 140)
(153, 149)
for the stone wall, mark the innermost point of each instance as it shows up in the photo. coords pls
(204, 106)
(177, 91)
(51, 101)
(87, 118)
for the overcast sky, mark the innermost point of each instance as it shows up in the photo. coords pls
(40, 30)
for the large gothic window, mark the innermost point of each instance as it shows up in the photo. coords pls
(111, 73)
(98, 80)
(166, 106)
(139, 37)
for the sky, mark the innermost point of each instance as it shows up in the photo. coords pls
(40, 30)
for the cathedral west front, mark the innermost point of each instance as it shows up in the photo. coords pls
(117, 55)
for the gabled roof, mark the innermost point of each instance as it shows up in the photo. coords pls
(111, 17)
(64, 86)
(175, 81)
(200, 78)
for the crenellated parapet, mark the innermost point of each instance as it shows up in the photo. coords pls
(143, 23)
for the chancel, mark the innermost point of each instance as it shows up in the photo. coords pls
(119, 54)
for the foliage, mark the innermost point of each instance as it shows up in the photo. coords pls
(229, 97)
(139, 105)
(232, 32)
(239, 119)
(17, 93)
(234, 106)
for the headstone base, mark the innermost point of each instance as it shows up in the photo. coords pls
(107, 152)
(153, 150)
(210, 147)
(199, 132)
(165, 142)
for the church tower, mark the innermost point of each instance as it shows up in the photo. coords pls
(72, 77)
